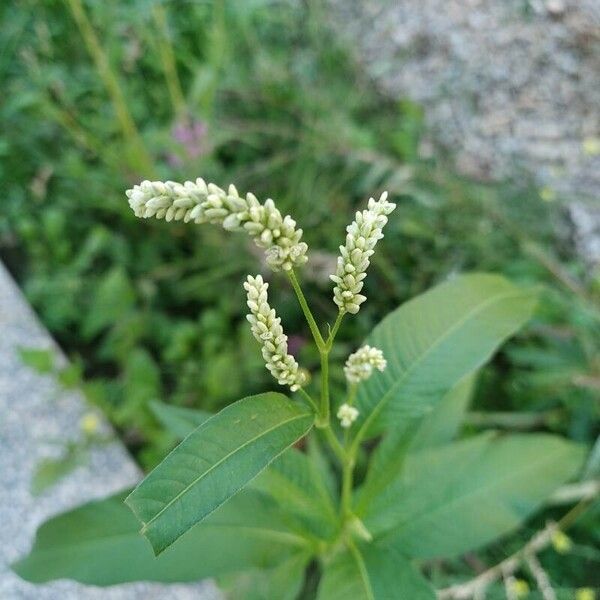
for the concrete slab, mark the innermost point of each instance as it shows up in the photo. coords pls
(34, 414)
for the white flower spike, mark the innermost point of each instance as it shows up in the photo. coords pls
(266, 328)
(362, 235)
(347, 415)
(207, 203)
(360, 365)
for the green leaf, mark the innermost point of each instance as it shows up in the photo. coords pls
(141, 384)
(294, 481)
(178, 420)
(282, 582)
(434, 340)
(456, 498)
(112, 299)
(371, 572)
(441, 425)
(99, 544)
(40, 360)
(215, 462)
(436, 428)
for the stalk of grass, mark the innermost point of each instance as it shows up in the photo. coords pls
(138, 156)
(167, 58)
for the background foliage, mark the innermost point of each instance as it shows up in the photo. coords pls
(260, 93)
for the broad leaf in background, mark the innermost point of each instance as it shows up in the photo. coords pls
(456, 498)
(434, 340)
(99, 544)
(215, 462)
(114, 297)
(282, 582)
(294, 481)
(177, 420)
(442, 424)
(434, 429)
(370, 572)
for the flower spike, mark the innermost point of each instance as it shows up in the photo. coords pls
(207, 203)
(266, 328)
(362, 235)
(360, 365)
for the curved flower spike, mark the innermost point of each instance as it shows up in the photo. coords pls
(207, 203)
(360, 365)
(362, 235)
(266, 328)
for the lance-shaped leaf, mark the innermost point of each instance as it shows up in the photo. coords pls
(370, 572)
(456, 498)
(295, 481)
(178, 420)
(436, 428)
(434, 340)
(99, 544)
(214, 462)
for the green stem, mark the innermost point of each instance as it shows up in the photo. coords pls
(347, 481)
(337, 448)
(167, 57)
(333, 331)
(324, 412)
(314, 329)
(309, 399)
(139, 157)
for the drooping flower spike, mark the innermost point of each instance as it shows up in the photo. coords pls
(266, 328)
(362, 235)
(361, 363)
(199, 202)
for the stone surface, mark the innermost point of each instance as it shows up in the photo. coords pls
(507, 86)
(36, 417)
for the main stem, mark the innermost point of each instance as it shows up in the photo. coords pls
(345, 454)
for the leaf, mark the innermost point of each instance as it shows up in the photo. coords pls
(113, 297)
(41, 360)
(214, 462)
(456, 498)
(99, 544)
(415, 433)
(178, 420)
(441, 425)
(434, 340)
(371, 572)
(49, 471)
(294, 481)
(282, 582)
(141, 384)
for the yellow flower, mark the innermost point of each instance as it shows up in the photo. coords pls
(591, 146)
(561, 542)
(89, 423)
(585, 594)
(547, 194)
(520, 588)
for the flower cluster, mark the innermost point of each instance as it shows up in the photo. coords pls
(360, 365)
(207, 203)
(266, 328)
(362, 235)
(347, 415)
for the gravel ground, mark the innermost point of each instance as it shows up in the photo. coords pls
(507, 85)
(34, 415)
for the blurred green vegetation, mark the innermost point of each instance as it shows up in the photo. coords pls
(99, 95)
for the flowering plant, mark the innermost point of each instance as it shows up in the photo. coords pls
(307, 495)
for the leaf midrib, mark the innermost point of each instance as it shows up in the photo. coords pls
(362, 570)
(417, 363)
(217, 464)
(534, 465)
(282, 536)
